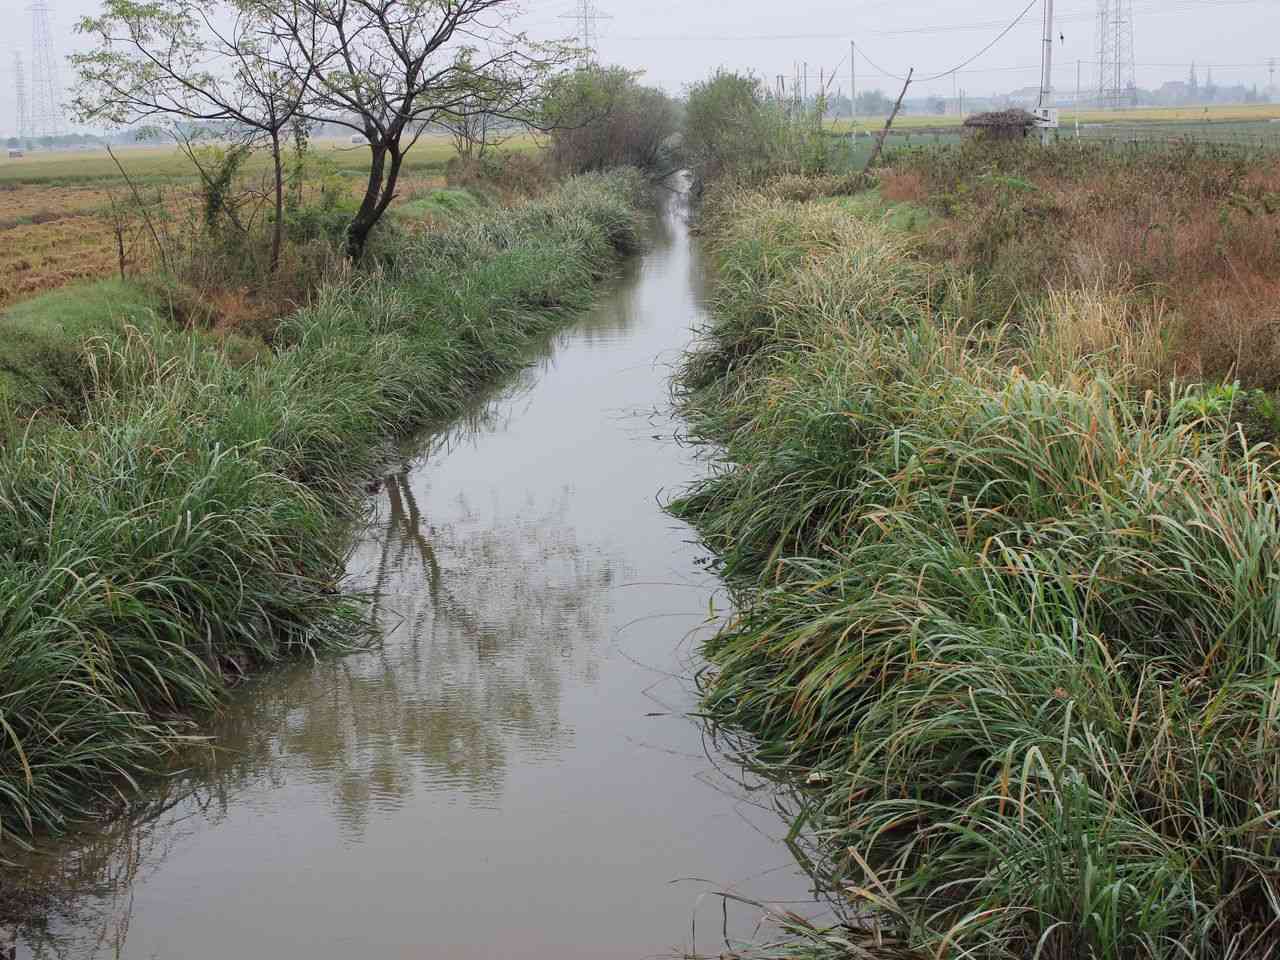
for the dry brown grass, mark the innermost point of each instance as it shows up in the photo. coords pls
(903, 186)
(1213, 259)
(1191, 239)
(53, 234)
(1101, 325)
(35, 257)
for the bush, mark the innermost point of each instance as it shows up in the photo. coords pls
(602, 119)
(735, 131)
(510, 177)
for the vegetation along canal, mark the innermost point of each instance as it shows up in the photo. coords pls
(511, 772)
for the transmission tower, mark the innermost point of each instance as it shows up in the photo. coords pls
(20, 88)
(588, 17)
(1117, 77)
(45, 116)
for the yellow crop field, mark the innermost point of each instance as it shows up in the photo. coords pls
(150, 163)
(1242, 113)
(55, 208)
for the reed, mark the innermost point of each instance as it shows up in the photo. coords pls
(1007, 618)
(185, 521)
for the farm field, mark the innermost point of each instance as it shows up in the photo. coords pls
(1240, 113)
(1242, 126)
(162, 163)
(55, 209)
(52, 236)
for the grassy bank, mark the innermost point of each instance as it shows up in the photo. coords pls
(176, 513)
(1007, 589)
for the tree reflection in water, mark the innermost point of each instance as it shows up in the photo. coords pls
(493, 612)
(484, 615)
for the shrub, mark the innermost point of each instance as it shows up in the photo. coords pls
(603, 118)
(735, 131)
(511, 177)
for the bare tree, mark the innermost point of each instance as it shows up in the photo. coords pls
(475, 132)
(390, 69)
(187, 62)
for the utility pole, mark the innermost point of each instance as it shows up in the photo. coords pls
(1046, 72)
(1078, 66)
(879, 144)
(853, 82)
(820, 100)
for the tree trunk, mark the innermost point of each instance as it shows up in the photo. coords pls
(277, 235)
(379, 193)
(362, 223)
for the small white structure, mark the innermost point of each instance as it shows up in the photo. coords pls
(358, 139)
(15, 153)
(1046, 117)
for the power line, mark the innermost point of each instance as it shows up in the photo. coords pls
(956, 69)
(1067, 70)
(1179, 6)
(1184, 6)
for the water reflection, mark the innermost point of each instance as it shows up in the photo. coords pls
(86, 886)
(494, 778)
(485, 613)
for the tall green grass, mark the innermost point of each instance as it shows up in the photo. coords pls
(1010, 620)
(187, 522)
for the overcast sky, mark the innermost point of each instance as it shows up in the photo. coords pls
(679, 41)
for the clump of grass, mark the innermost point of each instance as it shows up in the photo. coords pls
(187, 522)
(1010, 616)
(440, 204)
(42, 364)
(1195, 229)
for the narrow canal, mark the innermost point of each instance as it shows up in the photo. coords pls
(512, 773)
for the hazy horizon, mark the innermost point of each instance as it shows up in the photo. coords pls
(675, 45)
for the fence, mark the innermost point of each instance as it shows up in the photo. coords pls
(1253, 134)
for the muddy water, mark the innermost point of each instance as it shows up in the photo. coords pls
(512, 772)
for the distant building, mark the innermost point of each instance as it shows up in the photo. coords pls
(15, 153)
(1024, 97)
(1175, 92)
